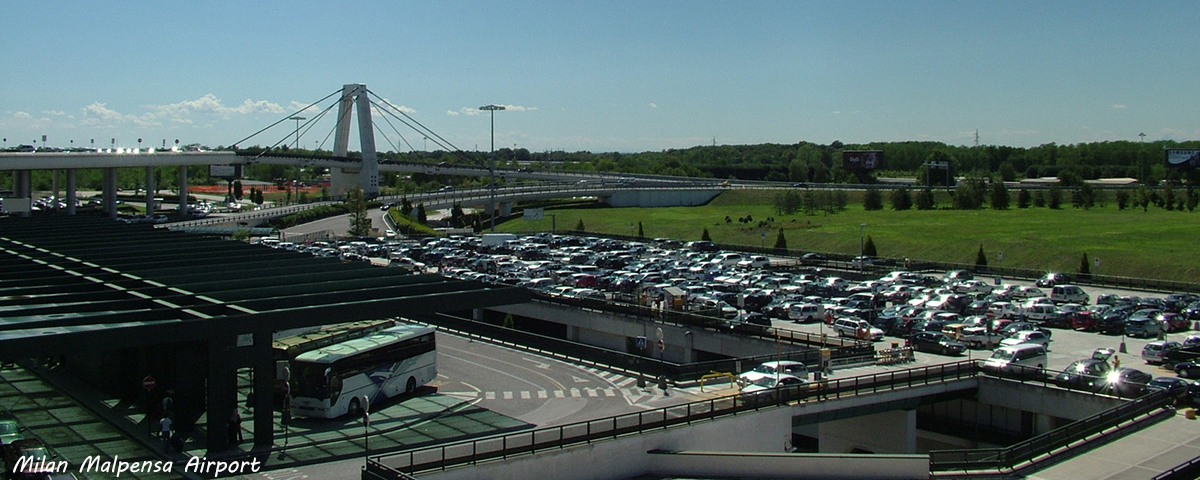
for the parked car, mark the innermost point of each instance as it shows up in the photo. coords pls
(1026, 358)
(767, 389)
(1173, 322)
(936, 342)
(806, 312)
(1178, 387)
(1087, 374)
(27, 448)
(1143, 324)
(857, 328)
(1156, 352)
(1034, 337)
(771, 369)
(10, 432)
(1187, 369)
(1069, 294)
(1051, 279)
(1126, 382)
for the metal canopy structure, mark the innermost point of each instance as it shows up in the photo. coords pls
(73, 285)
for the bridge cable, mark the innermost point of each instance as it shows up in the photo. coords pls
(335, 92)
(437, 139)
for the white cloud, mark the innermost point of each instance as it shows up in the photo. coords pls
(451, 113)
(1118, 106)
(518, 108)
(468, 111)
(54, 112)
(98, 114)
(653, 105)
(22, 115)
(211, 104)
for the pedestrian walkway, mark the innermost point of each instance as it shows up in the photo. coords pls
(1139, 455)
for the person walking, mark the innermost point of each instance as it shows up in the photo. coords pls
(164, 432)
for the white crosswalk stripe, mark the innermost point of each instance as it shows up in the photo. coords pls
(633, 395)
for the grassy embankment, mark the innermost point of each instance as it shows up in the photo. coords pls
(1155, 244)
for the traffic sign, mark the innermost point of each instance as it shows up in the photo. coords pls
(148, 383)
(641, 343)
(661, 346)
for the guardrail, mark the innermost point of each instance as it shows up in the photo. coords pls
(471, 452)
(1027, 450)
(1188, 470)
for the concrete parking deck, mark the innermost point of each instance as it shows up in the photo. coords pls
(1138, 455)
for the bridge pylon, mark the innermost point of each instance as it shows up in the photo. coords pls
(367, 176)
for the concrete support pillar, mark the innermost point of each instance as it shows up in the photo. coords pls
(477, 314)
(110, 192)
(506, 209)
(688, 348)
(72, 194)
(23, 188)
(183, 193)
(264, 392)
(572, 333)
(1042, 423)
(885, 432)
(150, 188)
(221, 394)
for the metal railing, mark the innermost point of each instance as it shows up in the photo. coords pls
(471, 452)
(1188, 470)
(1010, 457)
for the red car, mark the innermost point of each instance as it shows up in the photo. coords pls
(1084, 320)
(1173, 322)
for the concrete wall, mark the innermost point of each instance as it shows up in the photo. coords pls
(786, 465)
(609, 330)
(661, 198)
(767, 431)
(1043, 401)
(885, 432)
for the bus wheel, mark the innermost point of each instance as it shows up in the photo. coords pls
(411, 386)
(354, 409)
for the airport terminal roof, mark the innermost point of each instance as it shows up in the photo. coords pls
(90, 282)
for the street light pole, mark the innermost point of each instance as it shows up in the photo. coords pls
(296, 181)
(861, 261)
(1142, 154)
(492, 168)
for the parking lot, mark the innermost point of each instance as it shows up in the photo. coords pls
(809, 294)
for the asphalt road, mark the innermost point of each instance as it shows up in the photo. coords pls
(541, 390)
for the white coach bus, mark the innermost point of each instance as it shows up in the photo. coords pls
(332, 381)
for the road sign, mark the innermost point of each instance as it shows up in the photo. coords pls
(1096, 261)
(641, 343)
(658, 334)
(661, 346)
(148, 383)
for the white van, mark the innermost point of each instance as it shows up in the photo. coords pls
(1069, 294)
(1023, 358)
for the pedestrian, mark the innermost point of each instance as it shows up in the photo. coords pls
(164, 432)
(235, 428)
(168, 403)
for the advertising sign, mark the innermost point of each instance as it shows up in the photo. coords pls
(225, 171)
(861, 159)
(535, 213)
(1179, 158)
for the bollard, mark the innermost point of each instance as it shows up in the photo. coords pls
(1190, 413)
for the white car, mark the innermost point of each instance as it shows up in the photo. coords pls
(772, 369)
(757, 261)
(1027, 336)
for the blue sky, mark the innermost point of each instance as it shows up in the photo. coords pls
(606, 76)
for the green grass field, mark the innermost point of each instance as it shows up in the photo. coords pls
(1155, 244)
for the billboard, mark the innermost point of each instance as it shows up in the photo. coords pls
(1179, 158)
(861, 159)
(535, 213)
(225, 171)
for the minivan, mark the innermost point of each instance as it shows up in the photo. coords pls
(1069, 294)
(806, 312)
(1023, 358)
